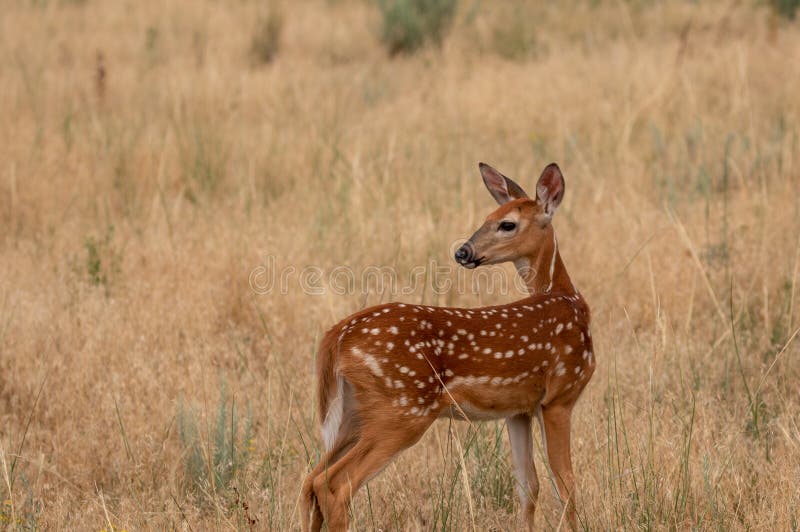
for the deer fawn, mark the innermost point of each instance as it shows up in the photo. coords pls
(385, 374)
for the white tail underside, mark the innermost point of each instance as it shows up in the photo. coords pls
(333, 419)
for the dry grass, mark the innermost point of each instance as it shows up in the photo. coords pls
(135, 203)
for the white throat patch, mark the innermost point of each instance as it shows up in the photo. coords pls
(553, 261)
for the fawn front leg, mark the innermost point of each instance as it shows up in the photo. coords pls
(556, 425)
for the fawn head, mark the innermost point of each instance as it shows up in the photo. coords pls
(520, 226)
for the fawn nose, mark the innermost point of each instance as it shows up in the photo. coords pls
(463, 253)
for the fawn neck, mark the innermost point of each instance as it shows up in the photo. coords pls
(543, 271)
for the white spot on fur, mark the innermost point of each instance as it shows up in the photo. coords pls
(371, 362)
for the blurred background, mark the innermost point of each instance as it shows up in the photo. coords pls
(153, 155)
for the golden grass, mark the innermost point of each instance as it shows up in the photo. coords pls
(134, 208)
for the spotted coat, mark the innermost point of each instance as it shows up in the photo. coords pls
(481, 363)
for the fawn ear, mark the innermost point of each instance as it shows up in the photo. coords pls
(550, 189)
(500, 187)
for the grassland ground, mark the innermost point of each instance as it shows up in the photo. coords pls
(149, 164)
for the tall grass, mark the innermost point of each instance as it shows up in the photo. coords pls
(147, 171)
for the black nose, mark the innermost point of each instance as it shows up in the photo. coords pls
(463, 253)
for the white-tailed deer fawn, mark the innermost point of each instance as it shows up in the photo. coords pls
(385, 374)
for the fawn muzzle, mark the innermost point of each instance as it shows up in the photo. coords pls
(465, 256)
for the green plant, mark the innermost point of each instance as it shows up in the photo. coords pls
(204, 158)
(212, 460)
(409, 24)
(267, 38)
(491, 478)
(101, 258)
(152, 45)
(785, 8)
(515, 37)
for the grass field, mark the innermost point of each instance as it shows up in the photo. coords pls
(151, 161)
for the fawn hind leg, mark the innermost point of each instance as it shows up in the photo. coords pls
(311, 514)
(377, 445)
(346, 438)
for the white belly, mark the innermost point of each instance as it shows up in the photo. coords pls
(466, 410)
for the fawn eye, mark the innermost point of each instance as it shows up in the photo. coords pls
(507, 226)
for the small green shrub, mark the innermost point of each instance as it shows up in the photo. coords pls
(515, 39)
(410, 24)
(785, 8)
(215, 459)
(102, 260)
(267, 37)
